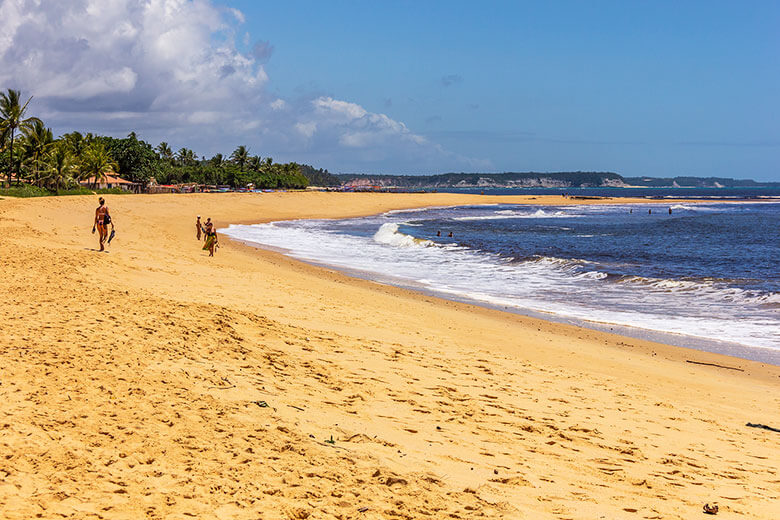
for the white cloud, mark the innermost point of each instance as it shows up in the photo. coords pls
(360, 128)
(171, 70)
(344, 110)
(306, 129)
(240, 18)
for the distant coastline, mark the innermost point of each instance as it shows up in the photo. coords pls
(561, 180)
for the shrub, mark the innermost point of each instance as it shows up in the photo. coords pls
(25, 190)
(28, 190)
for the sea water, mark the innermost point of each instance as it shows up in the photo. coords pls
(705, 275)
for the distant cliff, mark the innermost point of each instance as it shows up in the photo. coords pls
(488, 180)
(697, 182)
(540, 180)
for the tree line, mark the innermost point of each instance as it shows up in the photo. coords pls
(29, 153)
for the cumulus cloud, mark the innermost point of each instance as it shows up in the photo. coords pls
(172, 70)
(306, 129)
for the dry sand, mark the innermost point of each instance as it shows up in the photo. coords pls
(132, 386)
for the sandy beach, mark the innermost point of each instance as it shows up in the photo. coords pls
(156, 382)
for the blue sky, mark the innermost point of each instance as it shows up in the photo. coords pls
(645, 88)
(640, 88)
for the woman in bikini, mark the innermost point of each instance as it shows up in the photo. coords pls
(102, 220)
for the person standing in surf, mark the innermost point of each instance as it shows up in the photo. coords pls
(102, 220)
(211, 237)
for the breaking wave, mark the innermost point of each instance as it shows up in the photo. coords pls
(384, 248)
(389, 234)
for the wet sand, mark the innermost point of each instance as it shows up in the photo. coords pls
(155, 382)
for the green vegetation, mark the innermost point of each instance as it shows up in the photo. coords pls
(319, 177)
(28, 190)
(25, 190)
(35, 164)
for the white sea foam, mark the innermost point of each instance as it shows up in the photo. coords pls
(389, 234)
(565, 287)
(511, 214)
(596, 275)
(427, 209)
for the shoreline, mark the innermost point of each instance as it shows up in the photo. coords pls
(740, 351)
(156, 381)
(644, 347)
(673, 339)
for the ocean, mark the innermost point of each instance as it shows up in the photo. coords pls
(704, 276)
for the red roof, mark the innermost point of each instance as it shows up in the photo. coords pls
(110, 179)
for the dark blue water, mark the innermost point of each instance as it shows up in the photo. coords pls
(649, 193)
(735, 244)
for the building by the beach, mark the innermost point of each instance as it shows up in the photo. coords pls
(111, 181)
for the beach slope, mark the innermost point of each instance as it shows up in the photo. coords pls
(155, 382)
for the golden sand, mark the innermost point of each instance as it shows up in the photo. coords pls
(134, 384)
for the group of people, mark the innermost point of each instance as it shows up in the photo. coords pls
(208, 233)
(103, 220)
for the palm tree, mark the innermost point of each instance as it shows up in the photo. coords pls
(75, 143)
(239, 156)
(165, 151)
(266, 165)
(254, 163)
(218, 160)
(38, 141)
(11, 119)
(59, 165)
(186, 157)
(4, 133)
(96, 162)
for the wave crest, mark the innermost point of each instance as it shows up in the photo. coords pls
(388, 234)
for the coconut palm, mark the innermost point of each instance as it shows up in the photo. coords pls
(75, 143)
(4, 133)
(59, 165)
(254, 163)
(186, 157)
(96, 162)
(218, 160)
(239, 156)
(12, 118)
(38, 141)
(165, 151)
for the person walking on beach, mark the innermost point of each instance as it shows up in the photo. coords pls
(198, 227)
(102, 220)
(211, 237)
